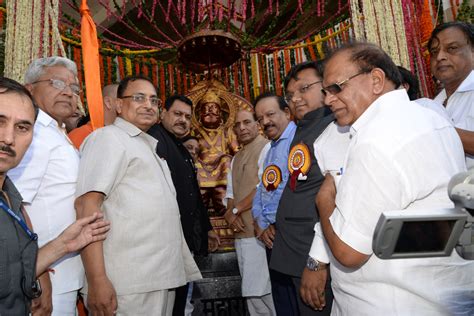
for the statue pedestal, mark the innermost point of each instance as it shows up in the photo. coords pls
(219, 292)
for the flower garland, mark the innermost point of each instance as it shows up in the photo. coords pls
(254, 74)
(383, 25)
(30, 32)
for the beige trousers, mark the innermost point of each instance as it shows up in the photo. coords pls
(159, 303)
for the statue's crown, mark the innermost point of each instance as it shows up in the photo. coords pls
(210, 97)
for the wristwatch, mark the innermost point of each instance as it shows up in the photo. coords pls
(235, 211)
(315, 265)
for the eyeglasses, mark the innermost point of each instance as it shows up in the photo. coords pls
(61, 85)
(302, 90)
(335, 88)
(141, 99)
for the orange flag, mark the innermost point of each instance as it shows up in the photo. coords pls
(90, 58)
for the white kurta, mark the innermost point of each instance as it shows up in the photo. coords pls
(401, 157)
(460, 108)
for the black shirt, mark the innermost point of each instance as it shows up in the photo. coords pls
(194, 216)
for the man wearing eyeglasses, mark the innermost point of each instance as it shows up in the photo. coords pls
(145, 255)
(400, 157)
(21, 261)
(451, 48)
(46, 177)
(297, 214)
(197, 229)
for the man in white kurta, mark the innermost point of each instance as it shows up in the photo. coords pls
(47, 174)
(400, 157)
(451, 48)
(145, 255)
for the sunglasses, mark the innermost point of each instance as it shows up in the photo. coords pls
(335, 88)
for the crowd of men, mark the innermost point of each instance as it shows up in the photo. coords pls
(344, 144)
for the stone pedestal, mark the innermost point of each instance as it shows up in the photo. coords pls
(219, 292)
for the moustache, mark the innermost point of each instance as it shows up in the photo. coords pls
(211, 114)
(7, 149)
(266, 127)
(183, 125)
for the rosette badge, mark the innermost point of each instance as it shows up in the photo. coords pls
(271, 177)
(299, 162)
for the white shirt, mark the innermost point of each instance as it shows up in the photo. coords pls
(433, 105)
(401, 157)
(460, 108)
(46, 178)
(330, 150)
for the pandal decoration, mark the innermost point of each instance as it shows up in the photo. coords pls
(35, 29)
(31, 32)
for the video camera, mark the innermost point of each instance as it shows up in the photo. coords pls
(430, 233)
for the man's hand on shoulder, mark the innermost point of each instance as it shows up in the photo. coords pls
(312, 288)
(101, 297)
(84, 231)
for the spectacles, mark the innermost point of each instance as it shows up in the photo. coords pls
(335, 88)
(302, 90)
(141, 99)
(61, 85)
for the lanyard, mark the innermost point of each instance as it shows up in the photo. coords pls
(18, 219)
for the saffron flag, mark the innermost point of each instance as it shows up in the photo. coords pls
(90, 58)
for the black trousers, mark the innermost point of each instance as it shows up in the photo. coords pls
(180, 300)
(286, 295)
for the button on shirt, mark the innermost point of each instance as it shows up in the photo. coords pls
(330, 150)
(401, 157)
(46, 178)
(460, 108)
(265, 203)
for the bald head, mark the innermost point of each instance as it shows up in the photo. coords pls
(109, 94)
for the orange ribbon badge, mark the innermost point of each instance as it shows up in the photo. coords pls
(271, 177)
(299, 162)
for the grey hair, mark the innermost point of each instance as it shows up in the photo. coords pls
(37, 67)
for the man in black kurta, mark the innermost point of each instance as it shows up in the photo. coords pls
(175, 124)
(297, 214)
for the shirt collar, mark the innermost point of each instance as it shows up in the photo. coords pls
(13, 194)
(171, 135)
(254, 141)
(46, 120)
(128, 127)
(370, 113)
(467, 84)
(286, 133)
(314, 115)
